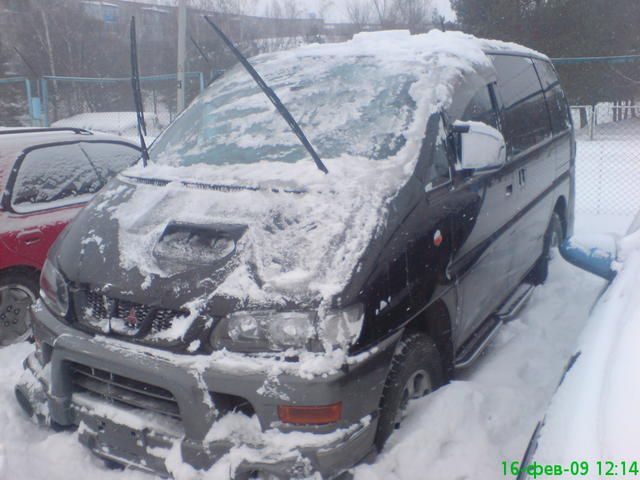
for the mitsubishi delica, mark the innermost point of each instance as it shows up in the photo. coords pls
(231, 306)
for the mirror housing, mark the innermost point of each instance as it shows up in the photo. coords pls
(481, 146)
(594, 253)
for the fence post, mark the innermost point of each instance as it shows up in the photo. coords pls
(201, 77)
(593, 122)
(44, 93)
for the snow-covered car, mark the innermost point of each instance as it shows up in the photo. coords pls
(46, 176)
(230, 306)
(591, 428)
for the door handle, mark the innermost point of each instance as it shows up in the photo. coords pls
(522, 177)
(509, 190)
(29, 237)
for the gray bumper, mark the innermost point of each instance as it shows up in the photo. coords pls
(151, 441)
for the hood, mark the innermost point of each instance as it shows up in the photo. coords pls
(177, 242)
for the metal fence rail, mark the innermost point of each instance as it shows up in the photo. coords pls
(608, 159)
(16, 102)
(106, 103)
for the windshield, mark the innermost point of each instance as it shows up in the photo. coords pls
(347, 106)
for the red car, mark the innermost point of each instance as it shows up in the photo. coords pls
(46, 177)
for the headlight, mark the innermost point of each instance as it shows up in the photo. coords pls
(265, 331)
(53, 290)
(270, 331)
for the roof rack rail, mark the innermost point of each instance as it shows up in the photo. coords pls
(80, 131)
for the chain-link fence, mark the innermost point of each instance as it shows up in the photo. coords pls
(608, 159)
(106, 104)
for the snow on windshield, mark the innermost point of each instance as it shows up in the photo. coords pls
(364, 104)
(347, 105)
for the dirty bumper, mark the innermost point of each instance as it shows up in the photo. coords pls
(155, 411)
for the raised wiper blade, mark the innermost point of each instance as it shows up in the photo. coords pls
(137, 95)
(271, 95)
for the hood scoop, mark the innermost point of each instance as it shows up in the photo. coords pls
(184, 245)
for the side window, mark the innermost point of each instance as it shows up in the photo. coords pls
(556, 101)
(439, 172)
(480, 109)
(109, 158)
(526, 119)
(52, 176)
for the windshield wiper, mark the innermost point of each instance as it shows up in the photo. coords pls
(137, 94)
(271, 95)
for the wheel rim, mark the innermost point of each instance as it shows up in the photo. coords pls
(417, 385)
(14, 302)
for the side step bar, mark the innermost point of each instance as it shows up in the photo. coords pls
(482, 337)
(515, 303)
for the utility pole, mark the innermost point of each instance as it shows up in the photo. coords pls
(182, 52)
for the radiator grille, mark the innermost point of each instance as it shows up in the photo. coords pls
(118, 389)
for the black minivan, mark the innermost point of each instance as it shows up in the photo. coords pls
(231, 304)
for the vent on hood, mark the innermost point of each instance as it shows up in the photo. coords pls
(198, 244)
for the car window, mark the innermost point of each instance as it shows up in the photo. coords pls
(556, 100)
(480, 108)
(53, 176)
(439, 172)
(526, 119)
(109, 158)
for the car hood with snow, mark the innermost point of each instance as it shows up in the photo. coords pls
(232, 211)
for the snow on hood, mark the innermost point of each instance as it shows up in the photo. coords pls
(306, 243)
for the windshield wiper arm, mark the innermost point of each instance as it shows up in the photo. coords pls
(271, 95)
(137, 94)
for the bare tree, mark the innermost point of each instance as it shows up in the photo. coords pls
(359, 12)
(386, 12)
(415, 14)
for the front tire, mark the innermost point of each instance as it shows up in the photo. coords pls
(416, 370)
(552, 239)
(18, 291)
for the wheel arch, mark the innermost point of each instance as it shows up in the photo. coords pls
(561, 209)
(435, 321)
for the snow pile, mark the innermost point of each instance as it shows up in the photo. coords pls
(308, 243)
(593, 414)
(487, 414)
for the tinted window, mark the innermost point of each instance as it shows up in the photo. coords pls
(526, 119)
(53, 174)
(439, 169)
(480, 109)
(547, 74)
(556, 101)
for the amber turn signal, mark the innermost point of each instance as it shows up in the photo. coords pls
(311, 415)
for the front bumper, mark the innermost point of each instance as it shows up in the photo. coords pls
(201, 435)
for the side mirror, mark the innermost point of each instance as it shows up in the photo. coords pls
(593, 253)
(482, 147)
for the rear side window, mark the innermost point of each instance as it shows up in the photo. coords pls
(556, 100)
(110, 158)
(526, 119)
(480, 108)
(58, 175)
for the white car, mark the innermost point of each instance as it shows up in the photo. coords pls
(592, 427)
